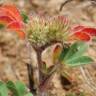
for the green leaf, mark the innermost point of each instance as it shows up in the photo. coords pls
(2, 26)
(73, 56)
(25, 17)
(77, 49)
(12, 87)
(81, 49)
(18, 89)
(72, 50)
(77, 61)
(63, 54)
(3, 89)
(28, 94)
(21, 88)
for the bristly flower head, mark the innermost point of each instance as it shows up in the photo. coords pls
(41, 30)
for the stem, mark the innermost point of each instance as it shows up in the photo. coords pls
(41, 76)
(31, 79)
(32, 83)
(45, 83)
(43, 80)
(39, 65)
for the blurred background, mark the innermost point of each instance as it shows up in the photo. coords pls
(14, 53)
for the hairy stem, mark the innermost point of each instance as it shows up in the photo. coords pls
(31, 79)
(39, 65)
(45, 83)
(44, 80)
(39, 59)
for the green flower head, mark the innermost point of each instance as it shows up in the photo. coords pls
(41, 30)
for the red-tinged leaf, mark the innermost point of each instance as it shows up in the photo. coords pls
(21, 34)
(5, 20)
(80, 36)
(15, 25)
(78, 28)
(12, 11)
(91, 31)
(2, 13)
(7, 13)
(56, 52)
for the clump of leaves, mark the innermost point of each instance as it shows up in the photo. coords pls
(74, 55)
(16, 89)
(11, 19)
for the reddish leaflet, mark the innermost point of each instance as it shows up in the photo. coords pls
(10, 17)
(83, 33)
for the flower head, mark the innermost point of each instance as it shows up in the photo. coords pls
(41, 30)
